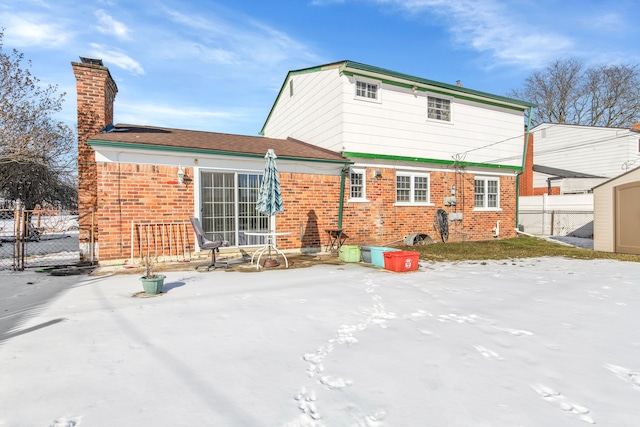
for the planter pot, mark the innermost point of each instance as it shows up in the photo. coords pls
(153, 285)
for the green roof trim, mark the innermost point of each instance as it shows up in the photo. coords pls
(352, 154)
(112, 144)
(351, 68)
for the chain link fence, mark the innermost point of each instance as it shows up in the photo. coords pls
(38, 238)
(572, 223)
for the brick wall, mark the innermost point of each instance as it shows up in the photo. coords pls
(380, 222)
(139, 193)
(131, 192)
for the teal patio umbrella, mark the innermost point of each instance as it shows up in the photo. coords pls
(269, 197)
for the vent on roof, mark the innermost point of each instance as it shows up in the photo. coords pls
(92, 61)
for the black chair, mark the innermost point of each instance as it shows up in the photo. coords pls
(205, 243)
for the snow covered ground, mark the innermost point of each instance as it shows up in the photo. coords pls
(532, 342)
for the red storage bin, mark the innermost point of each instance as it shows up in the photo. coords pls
(401, 261)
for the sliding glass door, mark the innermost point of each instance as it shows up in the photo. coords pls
(228, 206)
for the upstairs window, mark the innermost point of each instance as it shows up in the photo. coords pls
(486, 193)
(367, 90)
(439, 108)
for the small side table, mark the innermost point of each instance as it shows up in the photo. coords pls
(335, 239)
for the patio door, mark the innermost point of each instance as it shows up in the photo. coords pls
(228, 206)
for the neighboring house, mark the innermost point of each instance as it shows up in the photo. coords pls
(572, 159)
(131, 175)
(417, 146)
(382, 153)
(617, 214)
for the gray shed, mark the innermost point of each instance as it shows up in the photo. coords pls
(616, 214)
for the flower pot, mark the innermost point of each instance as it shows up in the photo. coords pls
(153, 285)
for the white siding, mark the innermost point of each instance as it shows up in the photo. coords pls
(324, 111)
(606, 152)
(603, 213)
(313, 114)
(398, 125)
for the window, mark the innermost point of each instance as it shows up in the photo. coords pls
(486, 193)
(412, 188)
(367, 90)
(439, 108)
(357, 188)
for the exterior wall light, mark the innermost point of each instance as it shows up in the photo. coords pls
(180, 175)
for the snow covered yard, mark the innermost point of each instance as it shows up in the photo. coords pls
(532, 342)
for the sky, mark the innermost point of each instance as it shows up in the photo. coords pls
(521, 342)
(218, 65)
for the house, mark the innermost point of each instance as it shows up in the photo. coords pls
(139, 184)
(617, 214)
(377, 154)
(572, 159)
(417, 146)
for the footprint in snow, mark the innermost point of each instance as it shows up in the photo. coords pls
(626, 375)
(488, 353)
(65, 422)
(560, 401)
(306, 403)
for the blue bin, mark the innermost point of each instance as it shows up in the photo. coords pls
(377, 257)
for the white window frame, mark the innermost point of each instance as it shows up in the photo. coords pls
(368, 82)
(485, 180)
(412, 188)
(445, 98)
(363, 173)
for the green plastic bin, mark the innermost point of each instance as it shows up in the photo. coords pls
(349, 253)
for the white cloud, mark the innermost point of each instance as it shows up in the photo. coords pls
(494, 27)
(108, 25)
(117, 58)
(22, 30)
(235, 39)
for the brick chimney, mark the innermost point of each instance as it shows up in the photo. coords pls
(96, 91)
(526, 179)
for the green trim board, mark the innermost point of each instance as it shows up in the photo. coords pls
(128, 145)
(356, 155)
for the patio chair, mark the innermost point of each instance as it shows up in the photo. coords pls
(205, 243)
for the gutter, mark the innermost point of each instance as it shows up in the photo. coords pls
(341, 202)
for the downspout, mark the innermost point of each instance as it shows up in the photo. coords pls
(341, 203)
(524, 159)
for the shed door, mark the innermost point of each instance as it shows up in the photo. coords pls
(627, 218)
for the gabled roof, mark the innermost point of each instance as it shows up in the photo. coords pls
(405, 80)
(562, 173)
(179, 140)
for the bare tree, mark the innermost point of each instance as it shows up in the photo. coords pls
(569, 93)
(33, 145)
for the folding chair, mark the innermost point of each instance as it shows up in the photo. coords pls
(205, 243)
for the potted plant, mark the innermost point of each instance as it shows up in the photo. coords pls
(152, 282)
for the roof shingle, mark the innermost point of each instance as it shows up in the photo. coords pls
(157, 137)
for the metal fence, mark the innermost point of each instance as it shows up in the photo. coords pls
(38, 238)
(556, 223)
